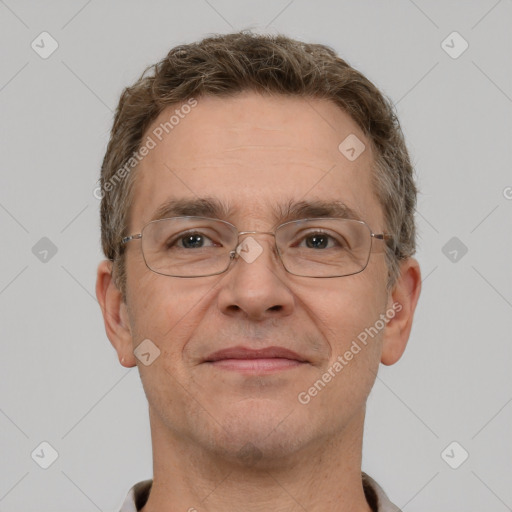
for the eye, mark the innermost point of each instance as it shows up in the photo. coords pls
(191, 240)
(322, 240)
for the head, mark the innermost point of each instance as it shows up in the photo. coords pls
(253, 124)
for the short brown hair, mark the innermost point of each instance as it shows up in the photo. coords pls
(224, 65)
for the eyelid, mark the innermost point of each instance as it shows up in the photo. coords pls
(303, 234)
(191, 231)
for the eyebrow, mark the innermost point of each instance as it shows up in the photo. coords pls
(293, 210)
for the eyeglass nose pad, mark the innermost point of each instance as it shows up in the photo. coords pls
(234, 256)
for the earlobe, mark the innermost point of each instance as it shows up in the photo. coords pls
(402, 300)
(115, 314)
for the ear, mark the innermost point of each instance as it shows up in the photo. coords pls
(402, 300)
(115, 314)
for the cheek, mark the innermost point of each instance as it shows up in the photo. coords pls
(166, 313)
(347, 318)
(346, 315)
(165, 310)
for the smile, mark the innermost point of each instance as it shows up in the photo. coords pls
(246, 360)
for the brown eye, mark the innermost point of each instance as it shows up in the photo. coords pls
(317, 241)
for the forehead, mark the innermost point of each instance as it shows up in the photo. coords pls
(255, 155)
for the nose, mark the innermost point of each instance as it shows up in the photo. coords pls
(256, 283)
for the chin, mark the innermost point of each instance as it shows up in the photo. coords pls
(261, 433)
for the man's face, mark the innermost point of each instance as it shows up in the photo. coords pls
(254, 153)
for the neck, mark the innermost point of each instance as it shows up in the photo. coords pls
(325, 475)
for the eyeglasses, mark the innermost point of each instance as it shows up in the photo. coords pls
(201, 246)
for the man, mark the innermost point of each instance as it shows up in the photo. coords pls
(257, 217)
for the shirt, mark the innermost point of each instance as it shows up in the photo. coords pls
(375, 496)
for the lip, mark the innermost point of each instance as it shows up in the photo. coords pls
(250, 353)
(252, 361)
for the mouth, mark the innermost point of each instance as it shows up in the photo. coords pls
(251, 361)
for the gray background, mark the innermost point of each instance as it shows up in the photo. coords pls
(61, 381)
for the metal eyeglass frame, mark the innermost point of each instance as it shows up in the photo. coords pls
(233, 253)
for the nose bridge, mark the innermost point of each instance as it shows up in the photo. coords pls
(256, 285)
(251, 250)
(240, 243)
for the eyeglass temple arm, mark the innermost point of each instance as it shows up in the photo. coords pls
(383, 236)
(388, 236)
(127, 239)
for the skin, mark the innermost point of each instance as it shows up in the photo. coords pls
(223, 440)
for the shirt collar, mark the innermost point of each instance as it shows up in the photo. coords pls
(375, 495)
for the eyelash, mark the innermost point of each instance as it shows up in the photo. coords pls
(181, 236)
